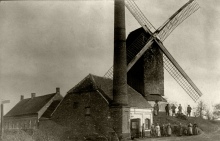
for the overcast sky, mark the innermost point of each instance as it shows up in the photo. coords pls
(44, 45)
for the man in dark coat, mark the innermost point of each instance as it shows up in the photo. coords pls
(180, 131)
(189, 109)
(167, 109)
(163, 130)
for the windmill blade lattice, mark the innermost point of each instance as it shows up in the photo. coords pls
(168, 65)
(179, 72)
(139, 16)
(109, 73)
(176, 19)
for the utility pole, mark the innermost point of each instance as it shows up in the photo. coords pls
(2, 114)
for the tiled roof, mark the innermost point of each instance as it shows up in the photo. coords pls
(29, 106)
(105, 86)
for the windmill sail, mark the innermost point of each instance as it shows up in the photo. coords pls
(177, 18)
(163, 32)
(139, 16)
(179, 74)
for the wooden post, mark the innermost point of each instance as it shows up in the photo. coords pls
(2, 112)
(2, 116)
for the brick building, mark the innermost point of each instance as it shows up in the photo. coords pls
(85, 110)
(26, 113)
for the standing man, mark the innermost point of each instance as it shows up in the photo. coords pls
(167, 109)
(173, 110)
(143, 131)
(189, 109)
(180, 130)
(180, 108)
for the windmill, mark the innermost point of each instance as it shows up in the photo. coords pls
(158, 36)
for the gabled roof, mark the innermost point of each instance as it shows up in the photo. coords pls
(29, 106)
(105, 87)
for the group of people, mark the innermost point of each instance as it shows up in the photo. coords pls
(180, 110)
(158, 131)
(190, 130)
(167, 130)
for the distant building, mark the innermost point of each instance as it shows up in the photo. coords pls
(26, 113)
(86, 110)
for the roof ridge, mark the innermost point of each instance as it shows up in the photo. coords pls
(30, 105)
(80, 82)
(40, 96)
(93, 80)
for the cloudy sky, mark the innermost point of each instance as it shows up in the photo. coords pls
(44, 45)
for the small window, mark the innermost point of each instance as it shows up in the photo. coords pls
(75, 105)
(6, 125)
(87, 111)
(147, 123)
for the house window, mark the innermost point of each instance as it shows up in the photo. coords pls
(6, 125)
(35, 124)
(87, 111)
(75, 105)
(147, 123)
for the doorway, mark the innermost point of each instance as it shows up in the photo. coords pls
(135, 127)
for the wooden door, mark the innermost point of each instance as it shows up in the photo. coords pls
(135, 127)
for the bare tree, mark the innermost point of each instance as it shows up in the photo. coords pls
(209, 114)
(216, 111)
(201, 109)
